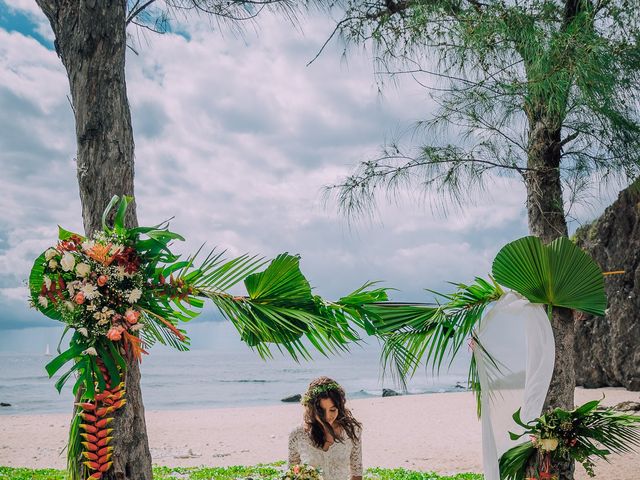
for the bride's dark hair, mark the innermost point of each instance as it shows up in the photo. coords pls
(314, 416)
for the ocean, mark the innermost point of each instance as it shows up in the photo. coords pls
(213, 379)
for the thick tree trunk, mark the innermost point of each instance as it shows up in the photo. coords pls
(545, 210)
(90, 38)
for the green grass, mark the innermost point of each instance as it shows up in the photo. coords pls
(258, 472)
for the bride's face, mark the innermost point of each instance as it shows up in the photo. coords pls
(329, 409)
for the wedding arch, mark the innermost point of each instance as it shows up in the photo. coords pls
(122, 290)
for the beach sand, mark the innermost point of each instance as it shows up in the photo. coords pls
(436, 432)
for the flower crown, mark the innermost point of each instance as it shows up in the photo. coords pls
(317, 390)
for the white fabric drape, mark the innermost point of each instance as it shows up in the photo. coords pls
(517, 335)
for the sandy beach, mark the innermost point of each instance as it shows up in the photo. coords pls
(437, 432)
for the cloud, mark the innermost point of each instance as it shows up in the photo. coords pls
(235, 137)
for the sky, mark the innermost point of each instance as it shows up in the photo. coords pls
(235, 137)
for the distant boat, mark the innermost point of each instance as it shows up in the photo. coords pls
(47, 353)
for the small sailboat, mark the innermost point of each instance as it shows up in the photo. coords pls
(47, 353)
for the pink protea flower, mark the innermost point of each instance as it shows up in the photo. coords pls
(131, 316)
(102, 280)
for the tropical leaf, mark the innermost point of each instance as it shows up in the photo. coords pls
(513, 462)
(281, 282)
(559, 274)
(36, 279)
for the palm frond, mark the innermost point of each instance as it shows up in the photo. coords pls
(559, 274)
(415, 334)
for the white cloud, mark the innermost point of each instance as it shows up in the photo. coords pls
(235, 137)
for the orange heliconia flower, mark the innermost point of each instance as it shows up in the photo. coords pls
(100, 253)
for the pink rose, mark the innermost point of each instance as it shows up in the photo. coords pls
(296, 469)
(115, 333)
(102, 280)
(131, 316)
(79, 298)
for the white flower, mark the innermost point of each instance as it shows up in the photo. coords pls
(47, 282)
(43, 301)
(549, 444)
(71, 288)
(120, 272)
(83, 269)
(90, 291)
(134, 295)
(70, 306)
(83, 331)
(53, 264)
(88, 245)
(68, 261)
(51, 253)
(115, 249)
(136, 327)
(90, 351)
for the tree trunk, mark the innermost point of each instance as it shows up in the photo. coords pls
(546, 217)
(90, 39)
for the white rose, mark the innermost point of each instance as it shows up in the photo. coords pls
(47, 282)
(53, 264)
(83, 331)
(90, 351)
(134, 295)
(83, 269)
(51, 253)
(68, 261)
(42, 301)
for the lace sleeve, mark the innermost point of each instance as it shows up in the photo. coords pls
(294, 449)
(356, 455)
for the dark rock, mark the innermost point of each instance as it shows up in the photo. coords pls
(292, 398)
(628, 406)
(387, 392)
(607, 349)
(2, 404)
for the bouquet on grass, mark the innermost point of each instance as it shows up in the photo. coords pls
(583, 434)
(303, 472)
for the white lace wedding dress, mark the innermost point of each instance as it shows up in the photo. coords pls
(341, 461)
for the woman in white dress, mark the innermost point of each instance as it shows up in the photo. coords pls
(329, 438)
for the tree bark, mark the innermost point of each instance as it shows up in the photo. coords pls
(546, 217)
(90, 39)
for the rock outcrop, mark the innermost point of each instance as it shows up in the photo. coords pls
(608, 348)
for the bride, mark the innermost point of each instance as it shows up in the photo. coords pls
(329, 438)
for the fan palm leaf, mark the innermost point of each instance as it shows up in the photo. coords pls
(559, 274)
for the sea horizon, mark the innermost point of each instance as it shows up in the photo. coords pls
(203, 379)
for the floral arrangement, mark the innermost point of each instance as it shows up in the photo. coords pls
(317, 390)
(583, 434)
(112, 291)
(303, 472)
